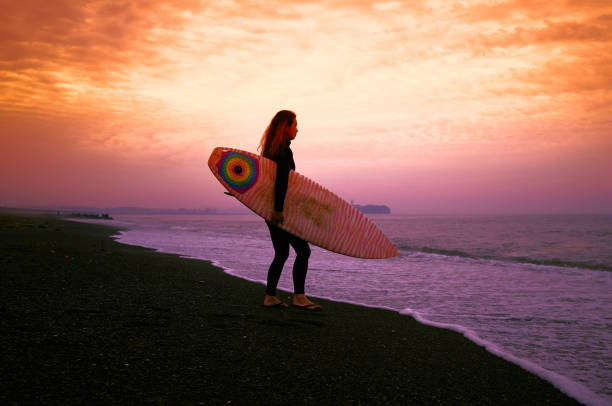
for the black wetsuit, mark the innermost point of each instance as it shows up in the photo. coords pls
(281, 239)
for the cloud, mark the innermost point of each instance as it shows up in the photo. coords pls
(524, 11)
(51, 50)
(594, 30)
(153, 84)
(569, 75)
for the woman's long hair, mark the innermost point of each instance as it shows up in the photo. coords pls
(276, 135)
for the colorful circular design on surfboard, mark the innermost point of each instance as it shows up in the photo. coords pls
(238, 170)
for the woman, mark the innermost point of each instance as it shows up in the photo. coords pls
(275, 146)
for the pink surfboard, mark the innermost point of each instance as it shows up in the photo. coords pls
(311, 212)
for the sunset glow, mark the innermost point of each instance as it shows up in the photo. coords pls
(426, 106)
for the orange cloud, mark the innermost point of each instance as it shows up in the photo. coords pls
(596, 29)
(57, 52)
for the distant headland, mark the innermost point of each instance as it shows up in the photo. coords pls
(373, 209)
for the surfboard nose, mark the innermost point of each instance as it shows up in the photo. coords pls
(215, 156)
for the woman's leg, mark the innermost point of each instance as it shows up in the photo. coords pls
(300, 266)
(280, 241)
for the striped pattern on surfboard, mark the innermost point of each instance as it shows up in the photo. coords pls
(311, 212)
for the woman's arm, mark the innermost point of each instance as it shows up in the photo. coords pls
(281, 182)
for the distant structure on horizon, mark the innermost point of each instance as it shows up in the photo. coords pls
(372, 209)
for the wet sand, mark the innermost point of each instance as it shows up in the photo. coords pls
(87, 320)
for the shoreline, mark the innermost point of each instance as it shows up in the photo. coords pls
(569, 387)
(104, 305)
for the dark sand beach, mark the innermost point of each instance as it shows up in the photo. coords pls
(85, 320)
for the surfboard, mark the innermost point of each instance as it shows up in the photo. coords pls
(311, 212)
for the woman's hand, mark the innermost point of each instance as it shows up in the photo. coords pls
(277, 217)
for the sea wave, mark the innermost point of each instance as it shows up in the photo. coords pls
(522, 259)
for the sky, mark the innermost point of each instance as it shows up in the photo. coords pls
(425, 106)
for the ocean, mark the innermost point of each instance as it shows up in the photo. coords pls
(536, 290)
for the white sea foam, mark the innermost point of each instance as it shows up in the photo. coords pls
(574, 389)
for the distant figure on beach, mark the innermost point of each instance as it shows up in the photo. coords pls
(275, 146)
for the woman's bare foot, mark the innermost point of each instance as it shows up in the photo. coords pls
(273, 301)
(300, 300)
